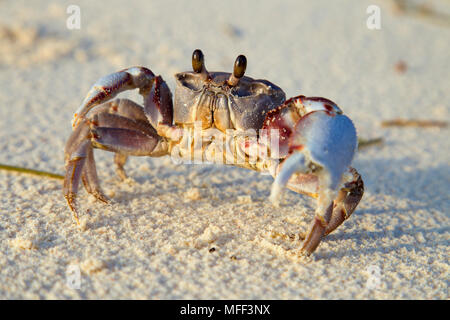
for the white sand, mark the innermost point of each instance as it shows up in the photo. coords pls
(153, 240)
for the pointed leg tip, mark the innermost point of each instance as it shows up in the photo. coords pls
(304, 253)
(101, 197)
(75, 215)
(315, 234)
(77, 221)
(70, 198)
(122, 177)
(306, 250)
(104, 199)
(275, 201)
(275, 194)
(130, 181)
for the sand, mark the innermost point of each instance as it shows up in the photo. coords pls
(155, 239)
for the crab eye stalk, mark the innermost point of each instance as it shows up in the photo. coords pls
(198, 61)
(239, 69)
(239, 66)
(198, 64)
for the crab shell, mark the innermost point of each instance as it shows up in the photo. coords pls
(215, 103)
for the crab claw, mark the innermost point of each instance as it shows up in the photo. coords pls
(321, 149)
(321, 143)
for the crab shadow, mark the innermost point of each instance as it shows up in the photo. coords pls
(400, 179)
(382, 177)
(404, 179)
(397, 233)
(205, 177)
(423, 189)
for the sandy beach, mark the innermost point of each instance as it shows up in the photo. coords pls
(209, 232)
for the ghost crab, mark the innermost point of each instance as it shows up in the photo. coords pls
(306, 143)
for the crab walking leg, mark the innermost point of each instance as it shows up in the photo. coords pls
(74, 170)
(109, 86)
(111, 132)
(109, 120)
(343, 206)
(119, 160)
(128, 142)
(121, 107)
(293, 164)
(90, 178)
(323, 144)
(346, 202)
(317, 229)
(75, 155)
(125, 114)
(158, 108)
(291, 169)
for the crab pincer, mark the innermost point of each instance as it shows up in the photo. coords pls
(320, 148)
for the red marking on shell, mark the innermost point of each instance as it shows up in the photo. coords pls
(294, 100)
(99, 96)
(147, 72)
(161, 98)
(275, 121)
(272, 115)
(320, 99)
(328, 107)
(157, 95)
(281, 119)
(278, 122)
(330, 110)
(295, 147)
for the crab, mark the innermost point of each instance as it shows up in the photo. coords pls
(306, 143)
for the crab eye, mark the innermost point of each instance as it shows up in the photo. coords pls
(239, 66)
(197, 61)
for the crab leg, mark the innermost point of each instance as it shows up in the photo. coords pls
(125, 136)
(90, 178)
(321, 143)
(112, 132)
(158, 107)
(119, 160)
(317, 229)
(109, 120)
(109, 86)
(138, 122)
(75, 161)
(125, 141)
(293, 169)
(346, 202)
(293, 164)
(121, 107)
(128, 113)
